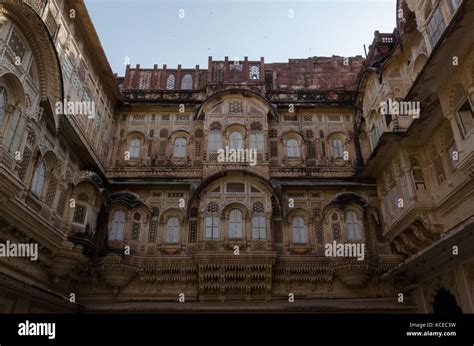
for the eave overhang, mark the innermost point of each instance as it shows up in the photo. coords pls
(439, 253)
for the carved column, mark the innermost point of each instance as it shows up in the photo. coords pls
(268, 232)
(247, 236)
(160, 232)
(128, 226)
(462, 287)
(6, 119)
(184, 227)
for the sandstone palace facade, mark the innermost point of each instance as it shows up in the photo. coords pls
(125, 193)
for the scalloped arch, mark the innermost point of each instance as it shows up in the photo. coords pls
(45, 56)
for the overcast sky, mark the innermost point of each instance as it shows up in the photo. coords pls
(148, 32)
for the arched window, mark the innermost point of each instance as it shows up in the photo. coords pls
(292, 148)
(215, 141)
(80, 210)
(465, 118)
(259, 229)
(236, 141)
(337, 149)
(235, 229)
(353, 226)
(170, 82)
(118, 226)
(38, 180)
(256, 141)
(134, 149)
(3, 104)
(180, 146)
(173, 230)
(136, 225)
(335, 226)
(187, 82)
(67, 67)
(299, 234)
(212, 225)
(14, 133)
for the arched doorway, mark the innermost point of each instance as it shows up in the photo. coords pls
(445, 303)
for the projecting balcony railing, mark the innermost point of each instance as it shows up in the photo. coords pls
(328, 171)
(153, 172)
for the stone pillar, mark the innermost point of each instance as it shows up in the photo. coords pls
(9, 109)
(160, 232)
(127, 234)
(462, 287)
(199, 224)
(136, 77)
(406, 169)
(226, 69)
(223, 224)
(286, 233)
(268, 223)
(154, 82)
(184, 226)
(246, 70)
(209, 70)
(410, 185)
(163, 77)
(196, 78)
(311, 234)
(247, 236)
(178, 78)
(126, 82)
(419, 300)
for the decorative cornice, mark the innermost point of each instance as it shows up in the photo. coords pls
(407, 218)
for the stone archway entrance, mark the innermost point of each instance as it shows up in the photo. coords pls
(445, 303)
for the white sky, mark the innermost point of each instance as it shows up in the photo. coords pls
(151, 31)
